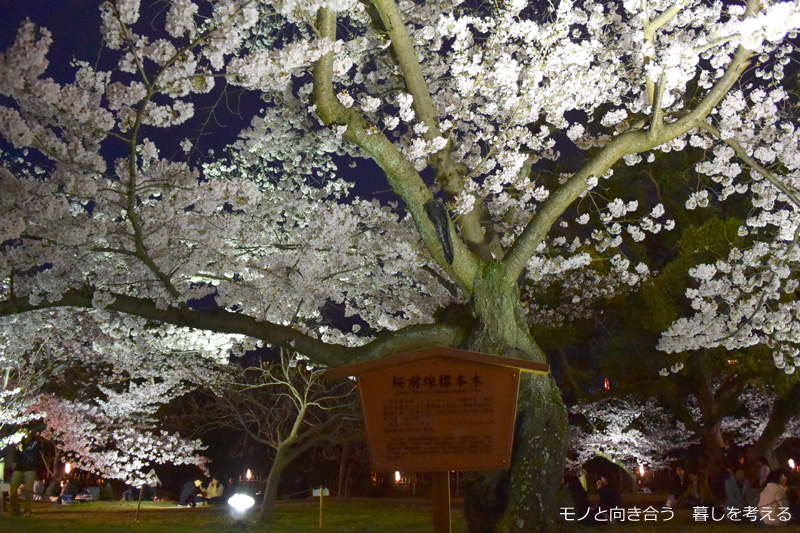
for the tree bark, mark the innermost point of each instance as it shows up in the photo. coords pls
(786, 407)
(344, 469)
(271, 488)
(523, 498)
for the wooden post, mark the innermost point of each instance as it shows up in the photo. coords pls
(139, 505)
(441, 502)
(321, 492)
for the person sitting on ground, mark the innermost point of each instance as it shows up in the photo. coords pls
(738, 493)
(697, 493)
(189, 493)
(774, 501)
(149, 489)
(214, 491)
(69, 489)
(38, 489)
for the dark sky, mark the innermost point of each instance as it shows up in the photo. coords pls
(75, 25)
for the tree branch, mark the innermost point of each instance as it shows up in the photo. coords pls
(650, 29)
(752, 163)
(628, 143)
(447, 172)
(401, 174)
(224, 321)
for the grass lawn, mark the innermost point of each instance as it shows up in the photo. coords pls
(290, 517)
(360, 515)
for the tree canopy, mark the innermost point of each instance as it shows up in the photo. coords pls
(499, 128)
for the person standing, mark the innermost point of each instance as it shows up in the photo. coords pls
(608, 493)
(26, 460)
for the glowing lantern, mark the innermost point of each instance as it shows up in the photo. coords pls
(606, 384)
(397, 476)
(240, 504)
(248, 475)
(641, 470)
(791, 464)
(67, 468)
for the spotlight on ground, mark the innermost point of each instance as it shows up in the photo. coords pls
(240, 504)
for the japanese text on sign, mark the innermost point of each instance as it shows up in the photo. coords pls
(442, 381)
(437, 412)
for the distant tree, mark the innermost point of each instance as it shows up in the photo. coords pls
(288, 407)
(627, 431)
(97, 391)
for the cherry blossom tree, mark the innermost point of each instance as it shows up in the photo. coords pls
(104, 382)
(495, 125)
(14, 412)
(627, 431)
(114, 447)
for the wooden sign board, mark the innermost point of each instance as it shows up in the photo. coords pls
(440, 409)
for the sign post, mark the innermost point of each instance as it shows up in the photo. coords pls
(441, 502)
(321, 491)
(439, 409)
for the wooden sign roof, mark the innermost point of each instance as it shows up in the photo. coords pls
(437, 351)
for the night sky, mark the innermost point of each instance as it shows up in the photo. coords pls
(76, 22)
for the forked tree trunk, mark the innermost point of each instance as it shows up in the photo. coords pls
(523, 498)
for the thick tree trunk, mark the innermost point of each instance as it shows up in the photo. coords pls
(271, 488)
(712, 439)
(714, 444)
(523, 498)
(786, 407)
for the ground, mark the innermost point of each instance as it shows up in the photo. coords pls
(350, 516)
(339, 516)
